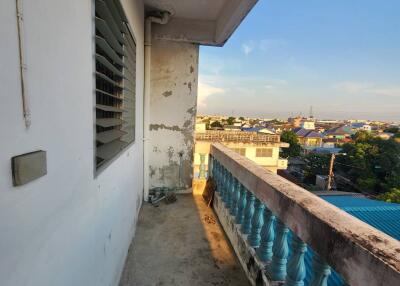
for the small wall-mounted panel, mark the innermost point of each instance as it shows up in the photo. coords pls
(28, 167)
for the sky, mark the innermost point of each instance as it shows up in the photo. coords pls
(341, 57)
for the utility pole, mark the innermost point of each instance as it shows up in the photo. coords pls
(330, 174)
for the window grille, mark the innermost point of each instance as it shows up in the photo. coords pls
(241, 151)
(115, 81)
(263, 152)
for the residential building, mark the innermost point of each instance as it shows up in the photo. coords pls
(356, 126)
(339, 132)
(98, 112)
(262, 130)
(261, 148)
(295, 121)
(307, 124)
(308, 138)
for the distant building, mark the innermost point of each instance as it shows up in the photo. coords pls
(308, 138)
(295, 121)
(261, 148)
(384, 135)
(307, 124)
(232, 128)
(360, 126)
(200, 127)
(340, 132)
(262, 130)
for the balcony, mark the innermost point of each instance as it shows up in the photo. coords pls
(279, 233)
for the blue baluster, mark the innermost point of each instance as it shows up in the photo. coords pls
(202, 168)
(228, 191)
(322, 271)
(223, 182)
(296, 266)
(241, 204)
(235, 197)
(218, 175)
(215, 173)
(248, 213)
(280, 252)
(267, 236)
(256, 224)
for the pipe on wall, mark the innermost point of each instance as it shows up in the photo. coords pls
(22, 65)
(146, 106)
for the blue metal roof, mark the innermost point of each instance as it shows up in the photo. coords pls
(381, 215)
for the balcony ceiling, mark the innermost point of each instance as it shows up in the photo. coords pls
(207, 22)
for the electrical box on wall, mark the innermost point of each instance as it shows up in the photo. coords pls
(28, 167)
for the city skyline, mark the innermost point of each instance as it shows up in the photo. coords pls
(346, 66)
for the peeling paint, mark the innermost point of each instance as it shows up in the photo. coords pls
(155, 127)
(174, 66)
(192, 110)
(167, 93)
(170, 152)
(190, 87)
(152, 171)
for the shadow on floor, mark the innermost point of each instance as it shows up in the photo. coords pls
(181, 244)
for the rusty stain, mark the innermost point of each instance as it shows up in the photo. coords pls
(167, 93)
(190, 86)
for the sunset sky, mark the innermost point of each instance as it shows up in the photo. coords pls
(342, 57)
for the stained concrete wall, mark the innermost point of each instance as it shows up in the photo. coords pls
(174, 73)
(68, 227)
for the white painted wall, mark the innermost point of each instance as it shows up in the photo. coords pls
(270, 163)
(174, 73)
(66, 228)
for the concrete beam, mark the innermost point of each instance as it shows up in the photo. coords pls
(362, 254)
(186, 30)
(230, 18)
(206, 32)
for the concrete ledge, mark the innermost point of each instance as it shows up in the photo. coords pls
(253, 268)
(362, 254)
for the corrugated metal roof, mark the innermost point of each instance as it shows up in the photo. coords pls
(381, 215)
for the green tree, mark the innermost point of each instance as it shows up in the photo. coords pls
(362, 136)
(372, 163)
(392, 130)
(294, 146)
(392, 196)
(241, 118)
(216, 124)
(316, 164)
(230, 120)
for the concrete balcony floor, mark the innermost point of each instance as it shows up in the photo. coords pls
(181, 244)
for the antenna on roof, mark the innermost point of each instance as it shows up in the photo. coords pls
(311, 112)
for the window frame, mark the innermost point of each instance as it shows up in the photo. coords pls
(262, 150)
(97, 169)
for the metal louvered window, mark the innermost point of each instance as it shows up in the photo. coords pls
(115, 81)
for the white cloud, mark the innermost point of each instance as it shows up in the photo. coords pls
(352, 87)
(268, 44)
(205, 90)
(248, 47)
